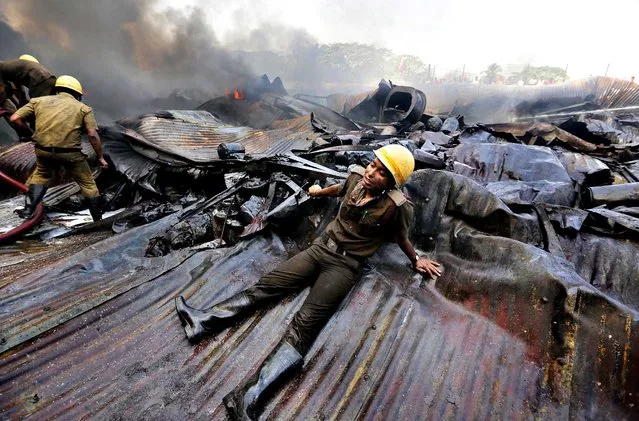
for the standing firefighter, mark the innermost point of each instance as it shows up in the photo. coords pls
(27, 72)
(373, 209)
(60, 121)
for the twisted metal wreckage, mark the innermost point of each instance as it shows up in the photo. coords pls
(535, 315)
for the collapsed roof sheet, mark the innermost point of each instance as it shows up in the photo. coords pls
(509, 331)
(194, 136)
(508, 161)
(495, 103)
(18, 160)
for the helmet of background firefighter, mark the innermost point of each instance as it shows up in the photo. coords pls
(28, 57)
(69, 82)
(398, 160)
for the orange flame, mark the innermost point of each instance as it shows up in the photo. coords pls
(238, 94)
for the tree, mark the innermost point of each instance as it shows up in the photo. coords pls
(354, 61)
(534, 74)
(491, 74)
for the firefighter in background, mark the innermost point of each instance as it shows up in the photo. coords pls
(26, 74)
(373, 210)
(6, 92)
(60, 121)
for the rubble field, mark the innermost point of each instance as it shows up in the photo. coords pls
(534, 218)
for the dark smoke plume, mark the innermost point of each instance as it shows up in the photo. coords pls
(12, 44)
(124, 52)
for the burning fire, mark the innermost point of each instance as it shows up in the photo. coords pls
(238, 94)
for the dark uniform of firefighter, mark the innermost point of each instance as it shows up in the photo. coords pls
(60, 121)
(373, 209)
(25, 72)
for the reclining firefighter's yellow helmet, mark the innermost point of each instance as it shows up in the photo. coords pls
(398, 160)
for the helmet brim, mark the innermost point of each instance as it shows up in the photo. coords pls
(388, 165)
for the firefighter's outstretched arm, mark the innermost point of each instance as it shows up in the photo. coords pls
(420, 264)
(331, 191)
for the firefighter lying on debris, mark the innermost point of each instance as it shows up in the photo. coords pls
(60, 120)
(24, 73)
(373, 209)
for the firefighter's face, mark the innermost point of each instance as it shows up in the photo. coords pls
(376, 176)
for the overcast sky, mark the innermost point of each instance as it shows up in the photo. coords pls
(585, 35)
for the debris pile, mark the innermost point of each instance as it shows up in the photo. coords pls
(535, 222)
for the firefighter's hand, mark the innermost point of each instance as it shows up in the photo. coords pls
(103, 163)
(312, 191)
(429, 267)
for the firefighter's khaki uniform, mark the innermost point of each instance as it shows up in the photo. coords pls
(61, 119)
(333, 263)
(30, 74)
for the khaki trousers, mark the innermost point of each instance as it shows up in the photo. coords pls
(331, 276)
(74, 162)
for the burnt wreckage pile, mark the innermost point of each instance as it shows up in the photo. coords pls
(535, 223)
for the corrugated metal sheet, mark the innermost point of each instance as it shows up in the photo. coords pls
(508, 332)
(582, 167)
(195, 135)
(18, 161)
(27, 256)
(499, 101)
(415, 355)
(613, 93)
(486, 162)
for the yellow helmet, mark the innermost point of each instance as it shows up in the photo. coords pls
(69, 82)
(29, 58)
(398, 160)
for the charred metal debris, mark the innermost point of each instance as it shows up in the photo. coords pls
(535, 220)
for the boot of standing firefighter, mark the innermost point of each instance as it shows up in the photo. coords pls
(247, 401)
(95, 207)
(197, 323)
(31, 200)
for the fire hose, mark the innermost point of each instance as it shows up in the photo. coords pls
(29, 223)
(39, 211)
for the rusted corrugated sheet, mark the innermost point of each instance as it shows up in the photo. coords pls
(27, 256)
(195, 135)
(18, 161)
(509, 331)
(395, 352)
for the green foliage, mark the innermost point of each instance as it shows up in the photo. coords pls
(491, 74)
(533, 74)
(340, 63)
(355, 61)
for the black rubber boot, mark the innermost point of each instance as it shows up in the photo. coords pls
(197, 323)
(247, 401)
(95, 207)
(31, 200)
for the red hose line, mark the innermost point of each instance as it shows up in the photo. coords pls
(18, 185)
(29, 223)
